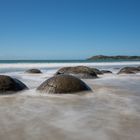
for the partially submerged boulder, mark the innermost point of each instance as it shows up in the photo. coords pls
(10, 85)
(106, 71)
(63, 84)
(129, 70)
(97, 71)
(33, 71)
(78, 71)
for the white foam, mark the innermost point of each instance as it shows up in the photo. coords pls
(54, 65)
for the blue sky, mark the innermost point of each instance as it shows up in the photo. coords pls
(68, 29)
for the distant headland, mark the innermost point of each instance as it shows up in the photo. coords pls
(118, 57)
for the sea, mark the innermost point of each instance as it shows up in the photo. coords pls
(111, 111)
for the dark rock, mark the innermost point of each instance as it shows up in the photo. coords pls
(78, 71)
(60, 84)
(8, 84)
(97, 71)
(106, 71)
(129, 70)
(33, 71)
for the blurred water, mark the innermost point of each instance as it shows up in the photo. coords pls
(110, 112)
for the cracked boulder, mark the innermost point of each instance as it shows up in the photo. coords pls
(63, 84)
(78, 71)
(10, 85)
(33, 71)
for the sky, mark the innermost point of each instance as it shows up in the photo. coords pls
(68, 29)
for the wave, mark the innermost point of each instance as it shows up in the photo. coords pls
(55, 65)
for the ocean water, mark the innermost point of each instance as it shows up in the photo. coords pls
(110, 112)
(64, 61)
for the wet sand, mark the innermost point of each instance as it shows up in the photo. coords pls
(110, 112)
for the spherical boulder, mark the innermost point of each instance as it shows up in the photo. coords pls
(9, 85)
(129, 70)
(33, 71)
(63, 84)
(106, 71)
(78, 71)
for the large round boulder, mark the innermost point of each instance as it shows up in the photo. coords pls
(33, 71)
(63, 84)
(9, 85)
(129, 70)
(78, 71)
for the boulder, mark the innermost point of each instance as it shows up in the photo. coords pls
(78, 71)
(8, 84)
(33, 71)
(129, 70)
(97, 71)
(63, 84)
(106, 71)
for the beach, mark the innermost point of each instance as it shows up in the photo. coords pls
(111, 111)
